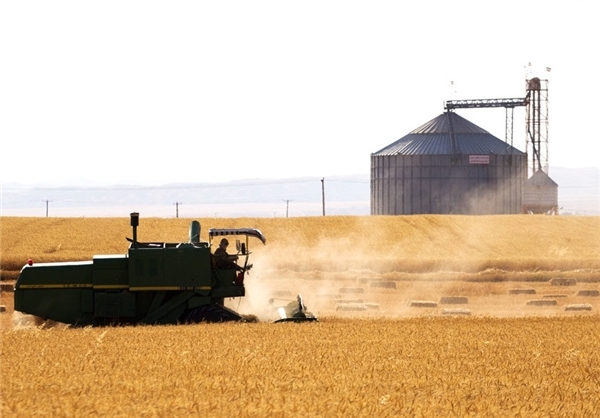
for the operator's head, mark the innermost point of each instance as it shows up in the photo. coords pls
(224, 242)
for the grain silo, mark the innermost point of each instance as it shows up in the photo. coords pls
(449, 165)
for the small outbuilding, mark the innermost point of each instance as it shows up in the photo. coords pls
(540, 195)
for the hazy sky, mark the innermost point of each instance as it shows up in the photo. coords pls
(176, 91)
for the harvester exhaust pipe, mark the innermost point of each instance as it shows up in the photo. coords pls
(195, 232)
(135, 221)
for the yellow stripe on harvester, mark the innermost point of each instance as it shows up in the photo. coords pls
(56, 286)
(162, 288)
(110, 286)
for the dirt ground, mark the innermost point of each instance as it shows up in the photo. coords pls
(378, 298)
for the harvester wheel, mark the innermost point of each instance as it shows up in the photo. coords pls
(212, 313)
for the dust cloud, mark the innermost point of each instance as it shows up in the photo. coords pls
(492, 200)
(25, 321)
(422, 266)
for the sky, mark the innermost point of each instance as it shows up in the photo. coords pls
(156, 92)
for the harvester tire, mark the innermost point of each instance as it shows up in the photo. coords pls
(212, 313)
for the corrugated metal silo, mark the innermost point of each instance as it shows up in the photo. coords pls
(540, 194)
(447, 166)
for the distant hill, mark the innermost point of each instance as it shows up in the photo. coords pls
(344, 195)
(578, 194)
(578, 190)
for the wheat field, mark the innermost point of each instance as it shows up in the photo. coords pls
(335, 368)
(400, 354)
(369, 244)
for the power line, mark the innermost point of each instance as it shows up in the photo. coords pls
(323, 193)
(287, 205)
(177, 209)
(46, 206)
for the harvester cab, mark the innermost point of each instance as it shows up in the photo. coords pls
(222, 260)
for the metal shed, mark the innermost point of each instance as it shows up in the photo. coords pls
(449, 165)
(540, 195)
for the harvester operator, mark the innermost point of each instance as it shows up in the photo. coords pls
(223, 259)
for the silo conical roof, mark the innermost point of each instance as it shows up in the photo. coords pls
(435, 137)
(540, 178)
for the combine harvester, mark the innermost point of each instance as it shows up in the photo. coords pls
(154, 283)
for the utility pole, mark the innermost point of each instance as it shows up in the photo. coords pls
(287, 205)
(46, 206)
(323, 193)
(177, 209)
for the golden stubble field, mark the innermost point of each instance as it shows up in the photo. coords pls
(415, 367)
(371, 354)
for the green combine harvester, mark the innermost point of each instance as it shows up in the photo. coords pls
(154, 283)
